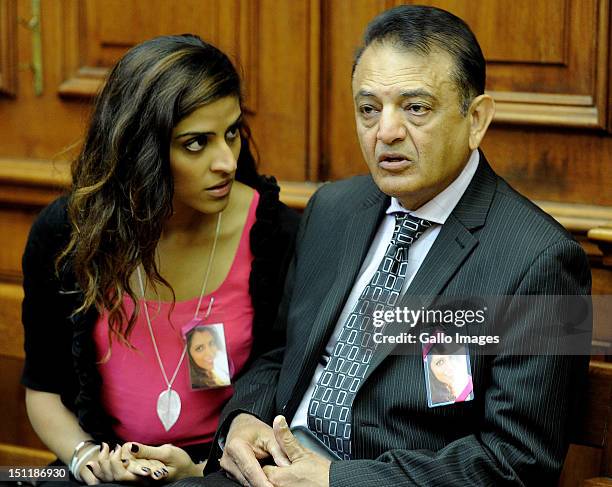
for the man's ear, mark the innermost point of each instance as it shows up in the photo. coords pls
(480, 114)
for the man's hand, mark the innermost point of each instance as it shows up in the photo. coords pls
(165, 462)
(248, 441)
(306, 469)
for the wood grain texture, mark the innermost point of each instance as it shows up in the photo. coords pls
(602, 236)
(11, 296)
(553, 164)
(15, 427)
(19, 456)
(14, 228)
(8, 47)
(589, 455)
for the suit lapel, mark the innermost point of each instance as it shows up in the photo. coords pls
(358, 235)
(453, 245)
(451, 248)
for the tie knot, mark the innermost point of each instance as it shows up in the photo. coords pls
(408, 229)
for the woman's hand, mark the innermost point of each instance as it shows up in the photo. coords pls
(175, 461)
(113, 466)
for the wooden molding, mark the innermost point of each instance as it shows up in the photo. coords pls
(315, 83)
(548, 109)
(34, 173)
(248, 51)
(79, 82)
(578, 218)
(603, 237)
(8, 47)
(84, 82)
(603, 68)
(36, 182)
(585, 104)
(27, 182)
(608, 62)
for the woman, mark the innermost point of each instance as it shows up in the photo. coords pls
(449, 377)
(204, 346)
(167, 226)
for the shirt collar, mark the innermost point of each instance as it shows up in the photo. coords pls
(441, 206)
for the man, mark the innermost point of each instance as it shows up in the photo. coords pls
(421, 114)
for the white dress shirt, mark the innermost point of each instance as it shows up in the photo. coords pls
(436, 211)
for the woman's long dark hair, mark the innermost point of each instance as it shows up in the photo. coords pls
(122, 187)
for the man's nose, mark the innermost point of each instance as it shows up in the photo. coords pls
(224, 160)
(391, 127)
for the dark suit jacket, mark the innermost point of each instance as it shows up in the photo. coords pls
(495, 242)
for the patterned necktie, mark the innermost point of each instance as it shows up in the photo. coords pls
(329, 411)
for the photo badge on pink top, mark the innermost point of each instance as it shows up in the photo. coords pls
(209, 363)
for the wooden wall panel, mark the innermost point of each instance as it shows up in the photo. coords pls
(98, 33)
(534, 58)
(539, 37)
(81, 40)
(280, 126)
(343, 24)
(555, 165)
(8, 47)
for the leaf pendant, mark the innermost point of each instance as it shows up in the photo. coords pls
(168, 408)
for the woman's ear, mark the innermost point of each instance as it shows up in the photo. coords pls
(480, 114)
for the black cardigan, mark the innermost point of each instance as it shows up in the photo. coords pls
(60, 353)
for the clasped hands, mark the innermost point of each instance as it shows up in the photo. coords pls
(134, 462)
(250, 441)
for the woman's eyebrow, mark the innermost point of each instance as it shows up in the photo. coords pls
(195, 132)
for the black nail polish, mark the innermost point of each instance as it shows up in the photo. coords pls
(146, 469)
(156, 474)
(134, 448)
(164, 470)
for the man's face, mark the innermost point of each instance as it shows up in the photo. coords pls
(409, 122)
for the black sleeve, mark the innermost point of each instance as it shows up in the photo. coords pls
(272, 241)
(46, 308)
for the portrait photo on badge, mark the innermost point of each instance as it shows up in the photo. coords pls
(448, 375)
(208, 361)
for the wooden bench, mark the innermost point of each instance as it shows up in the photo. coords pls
(589, 460)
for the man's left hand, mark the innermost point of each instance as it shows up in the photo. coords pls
(306, 469)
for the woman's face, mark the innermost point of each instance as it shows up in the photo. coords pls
(203, 349)
(444, 368)
(203, 156)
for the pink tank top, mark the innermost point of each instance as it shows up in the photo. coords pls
(132, 380)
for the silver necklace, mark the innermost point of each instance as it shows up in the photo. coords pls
(169, 401)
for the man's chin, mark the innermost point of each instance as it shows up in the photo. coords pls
(397, 186)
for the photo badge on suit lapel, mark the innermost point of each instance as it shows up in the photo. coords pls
(447, 370)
